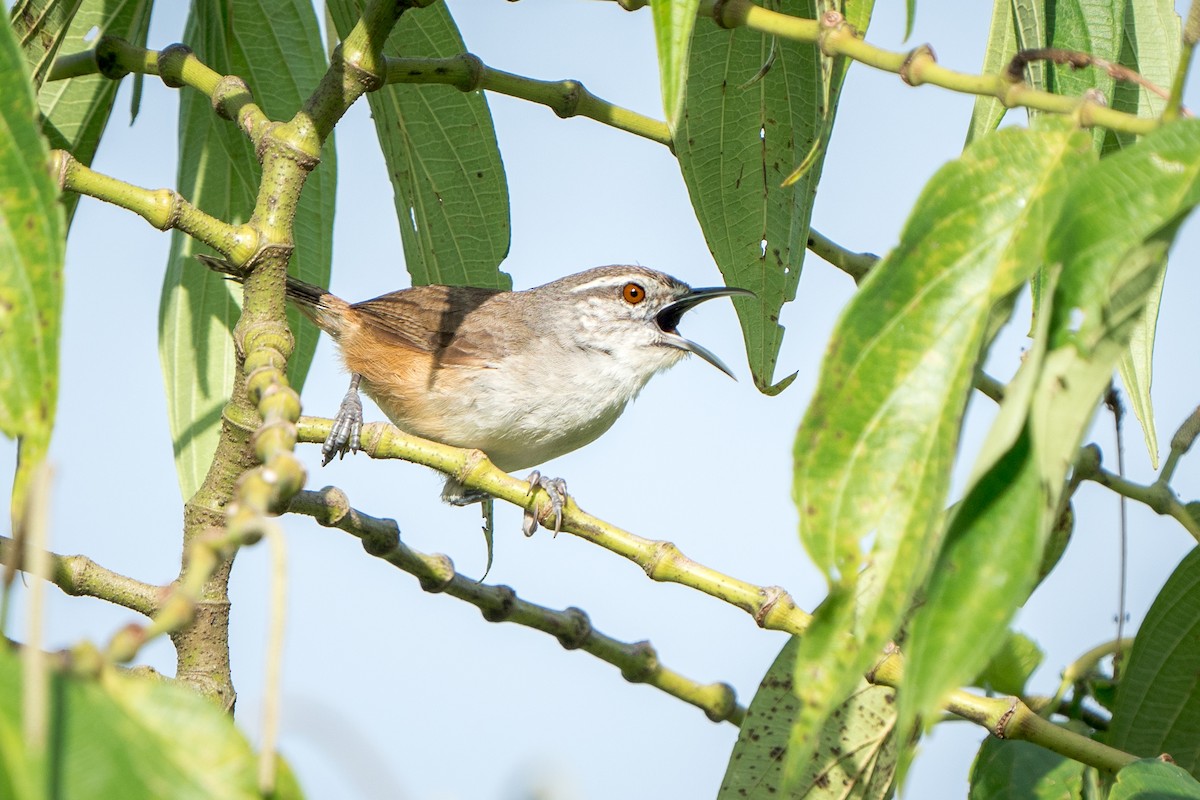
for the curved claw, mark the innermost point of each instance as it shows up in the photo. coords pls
(556, 489)
(345, 434)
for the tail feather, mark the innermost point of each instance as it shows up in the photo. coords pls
(328, 311)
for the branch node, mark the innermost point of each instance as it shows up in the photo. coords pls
(501, 607)
(440, 575)
(475, 69)
(771, 596)
(228, 87)
(718, 15)
(108, 58)
(580, 630)
(368, 80)
(918, 58)
(645, 663)
(1001, 729)
(170, 64)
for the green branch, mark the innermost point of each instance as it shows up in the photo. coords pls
(770, 606)
(1157, 496)
(567, 98)
(856, 265)
(163, 208)
(638, 662)
(835, 37)
(79, 576)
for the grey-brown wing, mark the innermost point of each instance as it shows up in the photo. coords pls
(440, 320)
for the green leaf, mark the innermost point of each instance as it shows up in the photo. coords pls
(41, 25)
(874, 451)
(1012, 770)
(121, 737)
(276, 47)
(32, 244)
(855, 755)
(1149, 47)
(443, 160)
(1086, 26)
(754, 108)
(674, 21)
(1158, 700)
(75, 111)
(1109, 240)
(999, 50)
(1011, 665)
(1031, 27)
(1154, 780)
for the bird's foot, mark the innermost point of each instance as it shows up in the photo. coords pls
(556, 488)
(346, 432)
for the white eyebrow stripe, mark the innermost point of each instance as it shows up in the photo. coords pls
(607, 282)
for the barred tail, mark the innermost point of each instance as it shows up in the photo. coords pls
(328, 311)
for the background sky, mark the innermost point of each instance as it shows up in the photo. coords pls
(391, 692)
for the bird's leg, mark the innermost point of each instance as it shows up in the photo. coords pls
(347, 425)
(556, 488)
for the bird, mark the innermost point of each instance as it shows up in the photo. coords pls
(524, 376)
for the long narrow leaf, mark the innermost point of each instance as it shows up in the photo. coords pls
(41, 26)
(674, 21)
(75, 111)
(32, 243)
(999, 50)
(219, 173)
(1149, 47)
(754, 109)
(443, 160)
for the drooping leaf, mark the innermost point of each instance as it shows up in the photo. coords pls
(1150, 47)
(443, 160)
(276, 48)
(674, 21)
(874, 451)
(1154, 780)
(32, 244)
(75, 111)
(999, 50)
(1158, 700)
(40, 26)
(1110, 261)
(754, 108)
(121, 737)
(855, 755)
(1007, 770)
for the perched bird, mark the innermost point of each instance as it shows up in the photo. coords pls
(524, 376)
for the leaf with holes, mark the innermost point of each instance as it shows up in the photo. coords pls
(443, 160)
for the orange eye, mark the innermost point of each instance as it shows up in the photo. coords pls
(633, 294)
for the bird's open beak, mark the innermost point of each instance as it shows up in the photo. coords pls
(668, 321)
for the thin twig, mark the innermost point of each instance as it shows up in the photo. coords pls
(638, 662)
